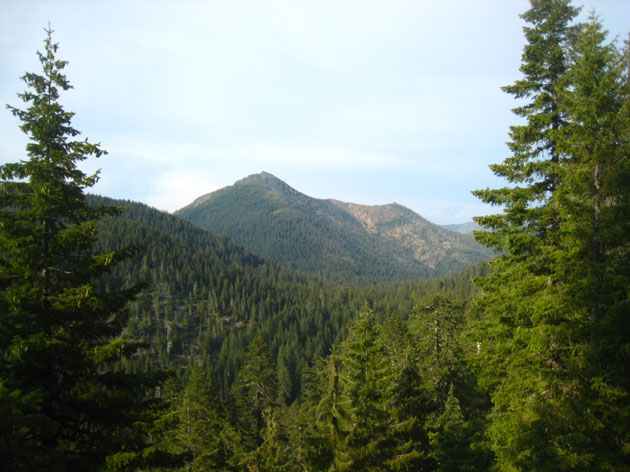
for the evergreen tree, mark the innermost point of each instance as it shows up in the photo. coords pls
(523, 229)
(66, 407)
(594, 262)
(274, 451)
(456, 429)
(333, 415)
(522, 334)
(438, 324)
(256, 391)
(376, 421)
(286, 376)
(448, 438)
(548, 312)
(200, 432)
(406, 397)
(364, 378)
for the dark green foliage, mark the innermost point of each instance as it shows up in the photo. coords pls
(438, 324)
(336, 240)
(256, 391)
(197, 429)
(332, 413)
(274, 451)
(277, 370)
(456, 406)
(66, 407)
(209, 298)
(593, 258)
(375, 406)
(364, 379)
(554, 346)
(372, 402)
(450, 440)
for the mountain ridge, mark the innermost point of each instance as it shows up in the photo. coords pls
(464, 228)
(339, 240)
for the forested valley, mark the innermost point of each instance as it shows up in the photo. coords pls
(131, 339)
(258, 343)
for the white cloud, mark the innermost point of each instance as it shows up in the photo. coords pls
(175, 189)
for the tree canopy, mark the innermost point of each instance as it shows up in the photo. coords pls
(65, 406)
(277, 370)
(551, 314)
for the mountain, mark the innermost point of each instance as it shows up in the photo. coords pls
(329, 238)
(207, 298)
(463, 228)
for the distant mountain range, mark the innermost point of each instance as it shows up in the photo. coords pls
(463, 228)
(329, 238)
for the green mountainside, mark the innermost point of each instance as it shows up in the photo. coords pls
(329, 238)
(135, 340)
(208, 298)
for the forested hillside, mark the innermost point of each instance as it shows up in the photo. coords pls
(131, 339)
(332, 239)
(267, 339)
(208, 298)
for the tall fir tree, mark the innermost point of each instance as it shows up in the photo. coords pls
(456, 429)
(525, 227)
(365, 378)
(255, 391)
(546, 311)
(524, 343)
(333, 415)
(199, 432)
(376, 410)
(273, 453)
(594, 261)
(406, 398)
(65, 407)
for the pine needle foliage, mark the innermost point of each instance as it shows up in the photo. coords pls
(554, 342)
(65, 406)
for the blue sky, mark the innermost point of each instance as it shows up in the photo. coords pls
(363, 101)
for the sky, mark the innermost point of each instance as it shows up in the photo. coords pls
(364, 101)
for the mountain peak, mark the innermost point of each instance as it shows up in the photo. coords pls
(269, 181)
(263, 177)
(345, 241)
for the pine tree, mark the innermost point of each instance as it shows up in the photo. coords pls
(333, 415)
(448, 440)
(406, 398)
(376, 417)
(200, 432)
(523, 228)
(456, 429)
(547, 311)
(274, 451)
(518, 330)
(594, 262)
(364, 378)
(255, 391)
(66, 407)
(524, 343)
(437, 324)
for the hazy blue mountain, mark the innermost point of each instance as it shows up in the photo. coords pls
(463, 228)
(333, 239)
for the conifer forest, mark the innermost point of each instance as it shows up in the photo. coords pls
(132, 339)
